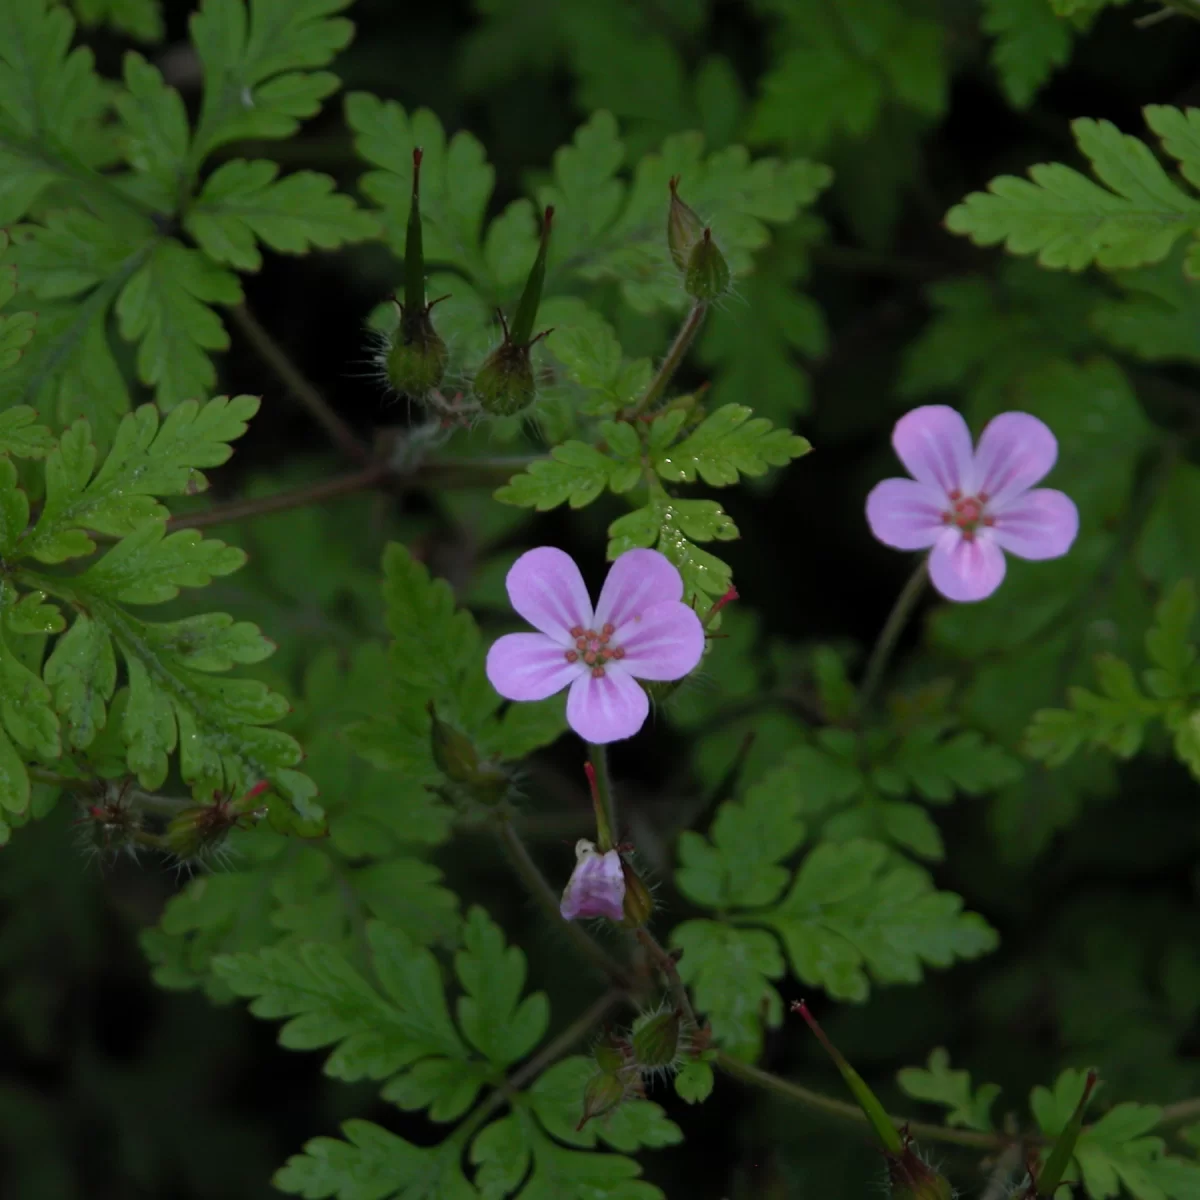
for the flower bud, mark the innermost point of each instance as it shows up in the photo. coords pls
(707, 274)
(684, 227)
(911, 1178)
(638, 904)
(656, 1040)
(199, 831)
(504, 385)
(597, 885)
(604, 1093)
(453, 752)
(415, 361)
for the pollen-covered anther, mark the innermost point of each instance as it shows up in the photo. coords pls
(572, 656)
(590, 657)
(618, 653)
(597, 672)
(581, 643)
(577, 631)
(608, 630)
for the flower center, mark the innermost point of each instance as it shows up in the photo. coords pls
(595, 649)
(967, 513)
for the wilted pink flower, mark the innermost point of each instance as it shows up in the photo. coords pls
(597, 885)
(972, 506)
(641, 629)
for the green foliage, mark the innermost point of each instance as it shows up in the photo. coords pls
(849, 909)
(1116, 718)
(1116, 1155)
(60, 702)
(1031, 43)
(1069, 222)
(108, 252)
(936, 1083)
(401, 1030)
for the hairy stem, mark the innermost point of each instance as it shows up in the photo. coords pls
(547, 898)
(294, 380)
(819, 1102)
(602, 798)
(666, 964)
(881, 654)
(445, 473)
(675, 355)
(134, 797)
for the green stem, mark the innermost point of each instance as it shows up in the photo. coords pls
(666, 964)
(294, 380)
(675, 355)
(602, 798)
(548, 899)
(906, 602)
(167, 806)
(819, 1102)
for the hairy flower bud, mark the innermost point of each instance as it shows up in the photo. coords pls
(707, 274)
(684, 227)
(911, 1178)
(604, 1092)
(199, 831)
(638, 902)
(415, 359)
(656, 1040)
(454, 754)
(504, 385)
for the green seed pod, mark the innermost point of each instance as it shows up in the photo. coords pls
(911, 1178)
(656, 1040)
(684, 227)
(604, 1093)
(639, 903)
(707, 274)
(416, 358)
(504, 385)
(609, 1055)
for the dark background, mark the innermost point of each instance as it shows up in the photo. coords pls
(115, 1090)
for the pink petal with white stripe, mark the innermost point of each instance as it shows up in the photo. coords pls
(607, 708)
(1038, 524)
(934, 444)
(529, 666)
(664, 642)
(638, 580)
(905, 514)
(546, 588)
(1015, 452)
(966, 570)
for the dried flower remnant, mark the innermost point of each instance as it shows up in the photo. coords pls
(597, 885)
(972, 505)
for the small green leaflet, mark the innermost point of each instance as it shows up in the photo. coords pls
(575, 473)
(1117, 1152)
(1069, 222)
(258, 59)
(140, 19)
(1031, 43)
(938, 1084)
(730, 442)
(242, 201)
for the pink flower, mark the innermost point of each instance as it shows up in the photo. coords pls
(640, 629)
(597, 885)
(971, 506)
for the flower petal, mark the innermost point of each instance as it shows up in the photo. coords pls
(906, 514)
(596, 887)
(663, 642)
(1038, 524)
(1015, 452)
(529, 666)
(607, 708)
(963, 570)
(934, 444)
(636, 581)
(546, 588)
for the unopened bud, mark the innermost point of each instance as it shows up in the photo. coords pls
(911, 1178)
(707, 274)
(684, 227)
(610, 1054)
(638, 903)
(415, 361)
(199, 831)
(453, 752)
(656, 1040)
(504, 385)
(603, 1094)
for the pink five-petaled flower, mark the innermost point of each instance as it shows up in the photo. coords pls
(971, 506)
(640, 629)
(597, 885)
